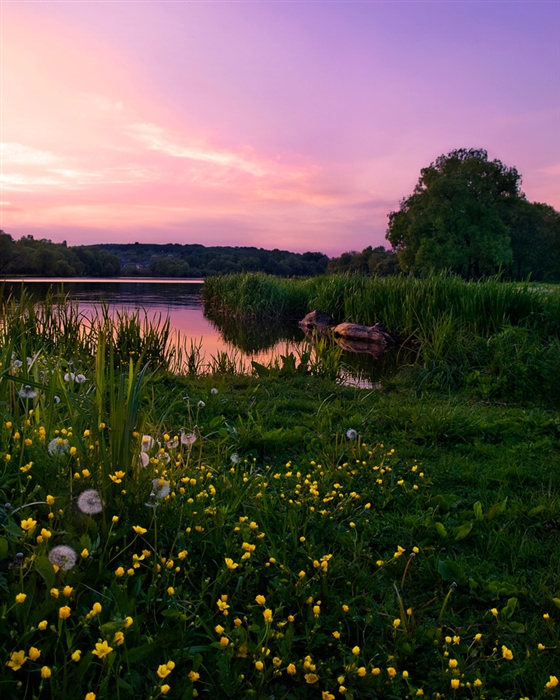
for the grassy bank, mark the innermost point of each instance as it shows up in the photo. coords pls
(491, 339)
(245, 537)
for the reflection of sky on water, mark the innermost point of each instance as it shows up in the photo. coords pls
(182, 302)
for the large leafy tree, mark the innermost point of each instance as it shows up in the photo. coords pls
(458, 216)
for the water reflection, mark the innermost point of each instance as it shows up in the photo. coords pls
(182, 302)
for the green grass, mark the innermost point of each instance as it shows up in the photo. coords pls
(435, 512)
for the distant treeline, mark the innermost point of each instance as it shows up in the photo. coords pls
(43, 258)
(194, 260)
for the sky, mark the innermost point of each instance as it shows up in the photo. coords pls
(288, 124)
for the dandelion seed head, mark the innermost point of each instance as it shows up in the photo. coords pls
(235, 458)
(201, 404)
(58, 447)
(147, 443)
(213, 390)
(143, 459)
(351, 434)
(161, 488)
(187, 438)
(26, 392)
(90, 502)
(64, 557)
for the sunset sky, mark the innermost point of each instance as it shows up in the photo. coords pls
(293, 125)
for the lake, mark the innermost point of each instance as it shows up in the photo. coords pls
(181, 301)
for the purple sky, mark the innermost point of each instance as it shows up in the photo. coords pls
(296, 125)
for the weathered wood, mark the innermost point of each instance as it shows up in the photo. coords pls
(316, 319)
(375, 334)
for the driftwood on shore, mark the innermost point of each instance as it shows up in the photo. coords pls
(350, 336)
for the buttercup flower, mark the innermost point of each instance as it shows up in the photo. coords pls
(20, 597)
(17, 659)
(102, 649)
(45, 672)
(34, 653)
(89, 502)
(64, 612)
(62, 556)
(28, 524)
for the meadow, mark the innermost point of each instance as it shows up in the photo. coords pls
(168, 531)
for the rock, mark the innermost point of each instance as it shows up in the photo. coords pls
(316, 319)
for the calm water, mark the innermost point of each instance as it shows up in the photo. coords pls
(181, 301)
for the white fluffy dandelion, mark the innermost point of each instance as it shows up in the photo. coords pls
(26, 392)
(89, 502)
(58, 447)
(187, 438)
(351, 434)
(235, 458)
(160, 488)
(147, 443)
(201, 404)
(64, 557)
(143, 459)
(172, 444)
(69, 377)
(213, 390)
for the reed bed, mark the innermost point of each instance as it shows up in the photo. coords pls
(495, 339)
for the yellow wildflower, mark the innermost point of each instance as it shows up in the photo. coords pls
(261, 600)
(224, 641)
(356, 650)
(552, 683)
(455, 683)
(118, 639)
(391, 672)
(28, 524)
(45, 672)
(267, 615)
(291, 670)
(311, 678)
(17, 659)
(102, 649)
(64, 612)
(259, 665)
(194, 676)
(139, 530)
(42, 625)
(34, 653)
(76, 655)
(20, 597)
(507, 653)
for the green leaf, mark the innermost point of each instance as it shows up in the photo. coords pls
(509, 608)
(442, 532)
(4, 548)
(478, 514)
(556, 602)
(45, 569)
(536, 511)
(463, 531)
(450, 571)
(497, 509)
(516, 627)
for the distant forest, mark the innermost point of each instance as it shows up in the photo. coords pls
(43, 258)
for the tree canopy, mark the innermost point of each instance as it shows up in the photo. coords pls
(468, 214)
